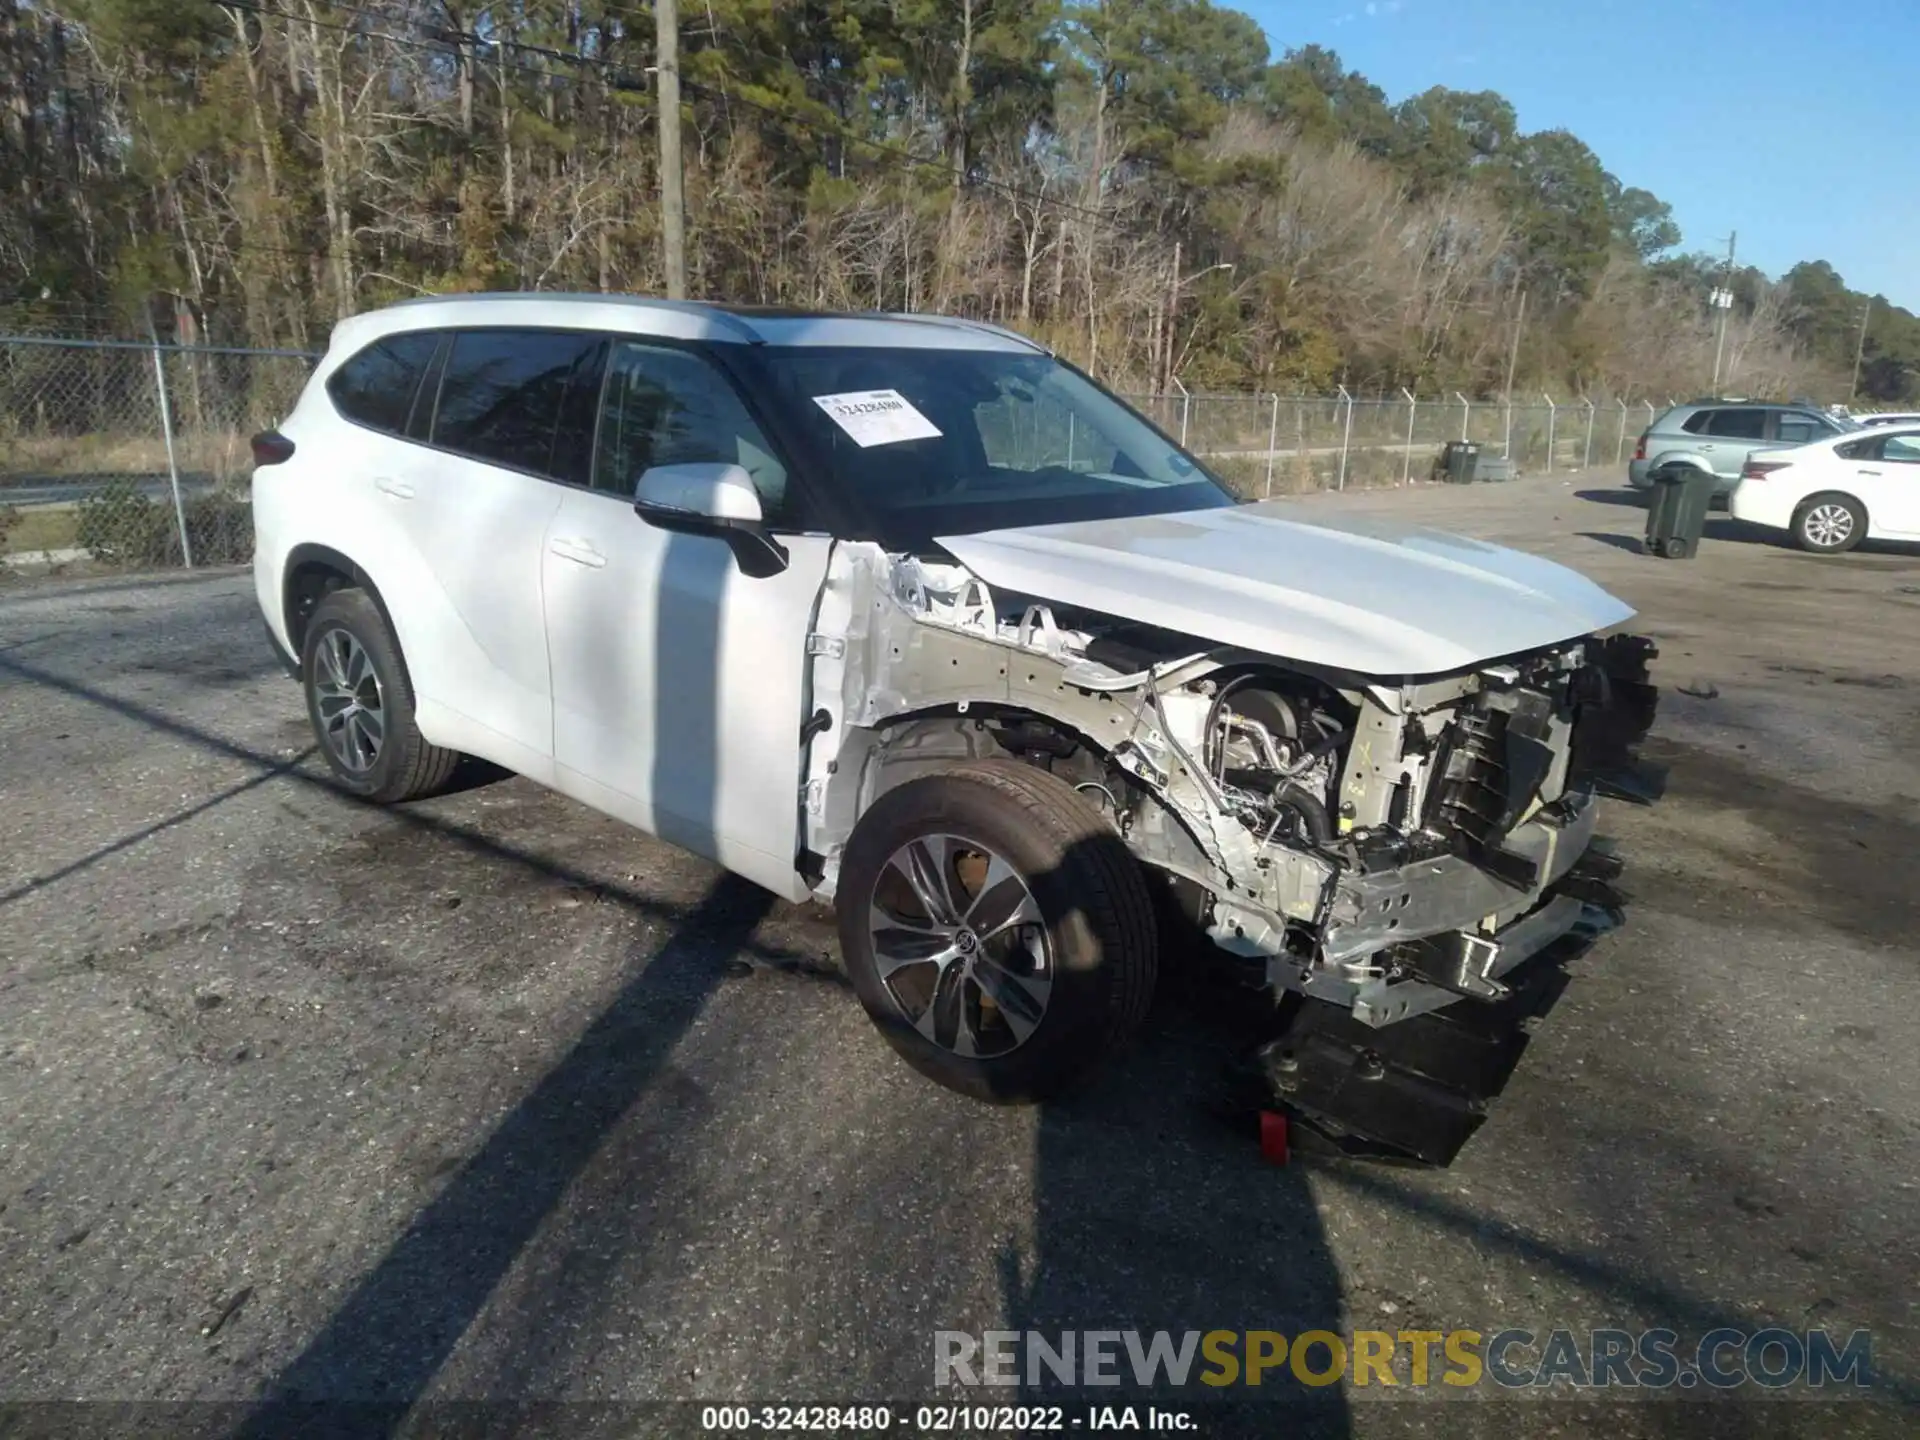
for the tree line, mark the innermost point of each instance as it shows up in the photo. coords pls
(1140, 183)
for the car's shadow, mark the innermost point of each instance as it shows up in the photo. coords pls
(1719, 529)
(1630, 499)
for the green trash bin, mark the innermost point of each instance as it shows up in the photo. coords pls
(1677, 512)
(1460, 461)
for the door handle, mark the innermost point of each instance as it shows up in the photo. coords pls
(578, 551)
(1869, 472)
(399, 489)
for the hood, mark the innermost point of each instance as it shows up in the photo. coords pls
(1346, 592)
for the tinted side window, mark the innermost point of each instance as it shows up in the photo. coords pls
(1858, 450)
(1793, 428)
(501, 398)
(1738, 424)
(1696, 423)
(672, 407)
(1902, 449)
(375, 388)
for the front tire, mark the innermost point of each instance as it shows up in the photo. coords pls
(360, 701)
(1829, 524)
(997, 930)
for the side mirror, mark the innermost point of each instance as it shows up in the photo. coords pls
(712, 499)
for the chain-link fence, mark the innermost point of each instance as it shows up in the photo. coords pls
(1266, 444)
(119, 455)
(128, 456)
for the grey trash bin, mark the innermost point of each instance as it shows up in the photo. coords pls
(1677, 512)
(1459, 462)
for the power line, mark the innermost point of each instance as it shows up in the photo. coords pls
(814, 123)
(438, 46)
(912, 158)
(794, 115)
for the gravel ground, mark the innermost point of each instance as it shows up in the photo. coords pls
(492, 1099)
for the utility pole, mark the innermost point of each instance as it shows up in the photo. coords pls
(1173, 315)
(1860, 350)
(1723, 302)
(673, 198)
(1513, 354)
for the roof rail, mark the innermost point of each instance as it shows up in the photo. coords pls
(958, 322)
(642, 302)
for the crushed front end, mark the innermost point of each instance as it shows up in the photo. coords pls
(1382, 856)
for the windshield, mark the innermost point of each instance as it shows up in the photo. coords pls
(953, 442)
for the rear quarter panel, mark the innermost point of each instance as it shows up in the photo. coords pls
(324, 496)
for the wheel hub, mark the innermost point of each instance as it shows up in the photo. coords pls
(1829, 524)
(960, 945)
(350, 701)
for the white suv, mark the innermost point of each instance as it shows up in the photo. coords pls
(904, 613)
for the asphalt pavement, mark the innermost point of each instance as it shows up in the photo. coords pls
(491, 1099)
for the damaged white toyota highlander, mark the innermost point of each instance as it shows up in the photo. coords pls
(905, 614)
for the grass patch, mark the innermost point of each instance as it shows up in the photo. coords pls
(44, 527)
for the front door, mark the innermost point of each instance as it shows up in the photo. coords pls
(678, 682)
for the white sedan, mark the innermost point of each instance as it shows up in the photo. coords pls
(1835, 493)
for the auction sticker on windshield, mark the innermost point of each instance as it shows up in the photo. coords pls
(877, 417)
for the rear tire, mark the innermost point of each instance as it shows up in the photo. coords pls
(1829, 523)
(360, 701)
(997, 930)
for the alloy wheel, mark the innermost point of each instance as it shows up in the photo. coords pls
(351, 701)
(1829, 525)
(960, 945)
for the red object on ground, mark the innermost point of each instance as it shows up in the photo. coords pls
(1273, 1137)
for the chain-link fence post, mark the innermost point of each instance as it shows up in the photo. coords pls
(1346, 439)
(1586, 455)
(1650, 413)
(1186, 403)
(173, 455)
(1273, 441)
(1466, 415)
(1406, 456)
(1553, 419)
(1620, 446)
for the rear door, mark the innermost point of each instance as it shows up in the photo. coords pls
(477, 505)
(1887, 477)
(1729, 436)
(679, 683)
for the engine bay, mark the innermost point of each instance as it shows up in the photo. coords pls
(1389, 845)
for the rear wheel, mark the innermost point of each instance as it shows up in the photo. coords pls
(361, 704)
(996, 929)
(1829, 524)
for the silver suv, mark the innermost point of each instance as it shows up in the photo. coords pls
(1717, 436)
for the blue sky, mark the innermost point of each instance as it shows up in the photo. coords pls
(1795, 124)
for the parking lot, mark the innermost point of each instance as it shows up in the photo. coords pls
(490, 1097)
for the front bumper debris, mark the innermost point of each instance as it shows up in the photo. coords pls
(1405, 1062)
(1418, 1089)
